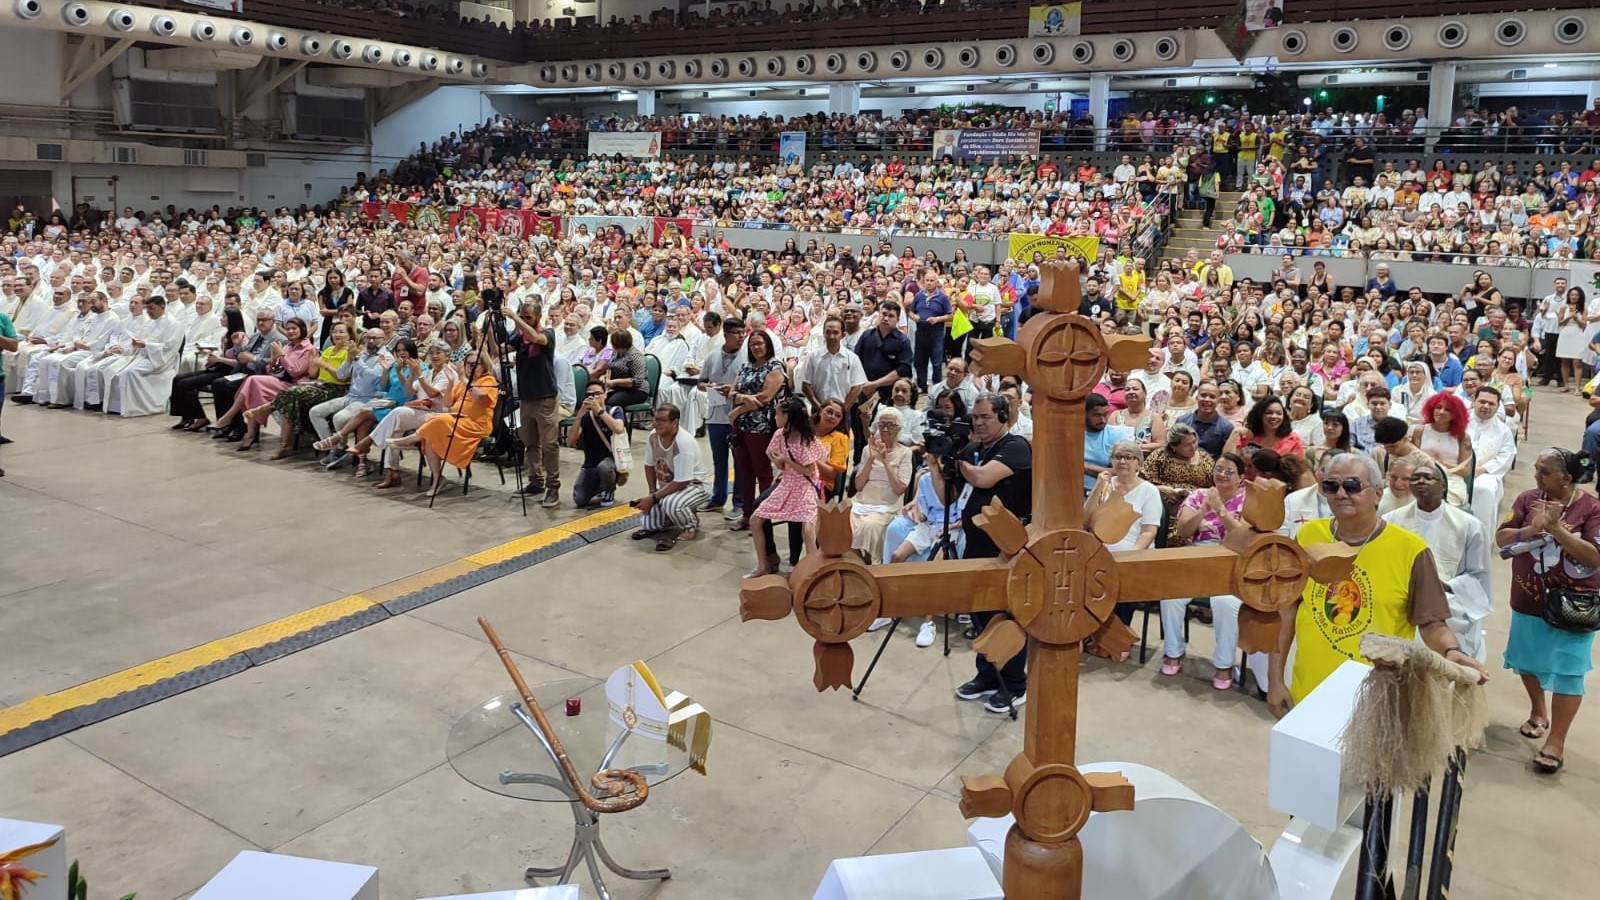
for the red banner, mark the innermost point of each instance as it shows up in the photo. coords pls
(672, 231)
(516, 223)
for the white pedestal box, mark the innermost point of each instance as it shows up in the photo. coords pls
(253, 875)
(958, 874)
(1303, 768)
(1173, 845)
(50, 863)
(554, 892)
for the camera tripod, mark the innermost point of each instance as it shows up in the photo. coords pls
(947, 546)
(503, 435)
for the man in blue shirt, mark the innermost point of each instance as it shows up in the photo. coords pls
(1098, 438)
(1446, 368)
(930, 310)
(1209, 426)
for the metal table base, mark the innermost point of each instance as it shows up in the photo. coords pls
(586, 842)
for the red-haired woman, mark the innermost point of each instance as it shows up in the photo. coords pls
(1442, 435)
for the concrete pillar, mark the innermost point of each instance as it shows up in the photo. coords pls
(1100, 106)
(844, 98)
(647, 101)
(1441, 97)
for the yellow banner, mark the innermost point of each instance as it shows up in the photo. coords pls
(1055, 20)
(1021, 247)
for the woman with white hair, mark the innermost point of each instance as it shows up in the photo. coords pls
(881, 479)
(1393, 588)
(1415, 390)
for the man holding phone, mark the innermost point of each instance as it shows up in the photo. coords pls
(597, 427)
(537, 400)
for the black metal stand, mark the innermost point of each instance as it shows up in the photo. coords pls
(509, 437)
(1444, 833)
(1373, 881)
(947, 548)
(1416, 846)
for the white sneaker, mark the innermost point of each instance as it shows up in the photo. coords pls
(925, 635)
(879, 624)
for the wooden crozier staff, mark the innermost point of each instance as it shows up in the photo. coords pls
(611, 782)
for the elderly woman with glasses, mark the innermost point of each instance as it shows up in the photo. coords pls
(1123, 482)
(432, 390)
(1393, 589)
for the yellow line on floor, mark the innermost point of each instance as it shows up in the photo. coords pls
(142, 675)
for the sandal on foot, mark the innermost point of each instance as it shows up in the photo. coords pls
(665, 543)
(1171, 666)
(1533, 729)
(1547, 763)
(642, 533)
(739, 525)
(1222, 682)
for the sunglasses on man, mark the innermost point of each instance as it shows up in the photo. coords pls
(1351, 486)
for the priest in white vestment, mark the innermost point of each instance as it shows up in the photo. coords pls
(1460, 552)
(678, 362)
(201, 336)
(90, 377)
(142, 387)
(55, 382)
(52, 326)
(1495, 444)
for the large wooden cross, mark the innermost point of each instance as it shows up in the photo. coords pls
(1054, 586)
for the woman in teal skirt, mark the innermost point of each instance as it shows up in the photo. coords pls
(1555, 532)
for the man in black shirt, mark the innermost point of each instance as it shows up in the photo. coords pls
(995, 464)
(886, 355)
(536, 393)
(597, 427)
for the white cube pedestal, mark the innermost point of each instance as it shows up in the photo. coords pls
(253, 875)
(1303, 765)
(50, 863)
(958, 874)
(555, 892)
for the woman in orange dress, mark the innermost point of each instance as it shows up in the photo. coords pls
(471, 419)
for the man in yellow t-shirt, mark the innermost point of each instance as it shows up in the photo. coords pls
(1393, 588)
(1249, 143)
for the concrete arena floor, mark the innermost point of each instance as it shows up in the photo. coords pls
(124, 543)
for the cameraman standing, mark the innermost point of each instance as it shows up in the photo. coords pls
(536, 394)
(996, 464)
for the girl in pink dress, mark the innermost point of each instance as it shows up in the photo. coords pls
(795, 452)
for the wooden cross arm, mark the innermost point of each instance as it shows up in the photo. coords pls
(998, 356)
(1144, 575)
(939, 588)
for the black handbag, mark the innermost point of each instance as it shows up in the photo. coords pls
(1570, 610)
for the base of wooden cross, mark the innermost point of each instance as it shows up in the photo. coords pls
(1036, 871)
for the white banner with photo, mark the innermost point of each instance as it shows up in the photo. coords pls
(625, 143)
(1260, 15)
(229, 5)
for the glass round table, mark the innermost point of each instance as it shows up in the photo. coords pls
(498, 746)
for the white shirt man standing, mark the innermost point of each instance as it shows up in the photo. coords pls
(831, 371)
(1495, 445)
(1546, 325)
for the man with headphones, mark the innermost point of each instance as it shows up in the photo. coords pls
(996, 464)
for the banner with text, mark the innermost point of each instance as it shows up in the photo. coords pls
(230, 5)
(630, 225)
(985, 143)
(792, 148)
(1055, 20)
(625, 143)
(1021, 247)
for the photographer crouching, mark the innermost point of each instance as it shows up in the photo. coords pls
(994, 464)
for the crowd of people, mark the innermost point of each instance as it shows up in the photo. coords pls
(833, 370)
(1310, 184)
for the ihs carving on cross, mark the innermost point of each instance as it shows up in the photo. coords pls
(1055, 585)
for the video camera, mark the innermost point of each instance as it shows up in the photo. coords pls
(943, 436)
